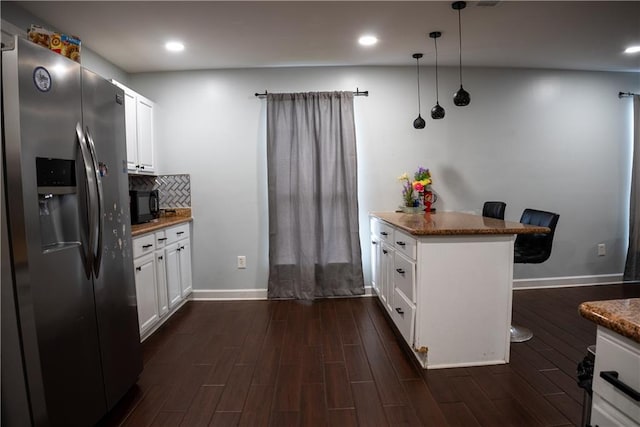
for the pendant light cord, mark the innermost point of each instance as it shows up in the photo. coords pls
(418, 79)
(435, 41)
(460, 45)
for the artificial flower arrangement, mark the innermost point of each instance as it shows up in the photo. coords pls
(413, 191)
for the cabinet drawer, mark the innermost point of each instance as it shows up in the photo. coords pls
(176, 233)
(603, 414)
(382, 230)
(143, 245)
(405, 243)
(404, 276)
(615, 353)
(161, 239)
(403, 316)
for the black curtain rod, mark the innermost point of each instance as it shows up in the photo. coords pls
(625, 94)
(356, 93)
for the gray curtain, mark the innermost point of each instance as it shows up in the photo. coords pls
(632, 267)
(314, 246)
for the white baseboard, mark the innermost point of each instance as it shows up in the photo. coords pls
(241, 294)
(567, 282)
(228, 294)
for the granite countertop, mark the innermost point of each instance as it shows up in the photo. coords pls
(167, 218)
(454, 223)
(619, 315)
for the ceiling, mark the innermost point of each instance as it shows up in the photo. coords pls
(581, 35)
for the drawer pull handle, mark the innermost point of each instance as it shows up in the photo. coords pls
(146, 246)
(400, 312)
(401, 243)
(400, 271)
(384, 251)
(612, 378)
(162, 239)
(160, 257)
(138, 268)
(180, 232)
(384, 233)
(373, 242)
(181, 247)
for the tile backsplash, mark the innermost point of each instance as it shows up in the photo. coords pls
(174, 190)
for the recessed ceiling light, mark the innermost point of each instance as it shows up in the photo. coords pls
(632, 49)
(174, 46)
(368, 40)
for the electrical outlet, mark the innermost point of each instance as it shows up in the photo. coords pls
(242, 261)
(602, 249)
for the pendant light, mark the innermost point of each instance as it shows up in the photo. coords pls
(437, 112)
(461, 97)
(419, 122)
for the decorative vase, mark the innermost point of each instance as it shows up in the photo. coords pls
(412, 209)
(428, 198)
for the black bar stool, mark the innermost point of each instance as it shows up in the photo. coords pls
(533, 249)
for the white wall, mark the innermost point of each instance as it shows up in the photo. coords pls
(552, 140)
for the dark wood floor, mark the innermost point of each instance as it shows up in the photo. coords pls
(337, 362)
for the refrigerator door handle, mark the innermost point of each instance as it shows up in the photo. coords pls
(99, 223)
(91, 196)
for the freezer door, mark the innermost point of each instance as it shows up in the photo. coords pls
(46, 204)
(103, 115)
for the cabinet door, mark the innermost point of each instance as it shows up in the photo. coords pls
(131, 126)
(185, 267)
(375, 264)
(386, 276)
(161, 282)
(144, 112)
(172, 264)
(146, 293)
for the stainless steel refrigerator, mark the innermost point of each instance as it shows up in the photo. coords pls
(70, 340)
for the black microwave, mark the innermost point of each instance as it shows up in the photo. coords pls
(144, 205)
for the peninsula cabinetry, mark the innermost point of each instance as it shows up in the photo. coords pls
(445, 281)
(139, 131)
(616, 381)
(162, 262)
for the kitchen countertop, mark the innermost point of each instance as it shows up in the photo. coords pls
(454, 223)
(620, 315)
(166, 219)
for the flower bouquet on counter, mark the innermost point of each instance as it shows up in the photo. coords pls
(414, 192)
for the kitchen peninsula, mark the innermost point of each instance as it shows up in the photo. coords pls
(616, 375)
(445, 279)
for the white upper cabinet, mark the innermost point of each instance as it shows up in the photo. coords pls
(144, 113)
(139, 131)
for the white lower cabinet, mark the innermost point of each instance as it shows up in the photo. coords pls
(162, 262)
(178, 256)
(146, 291)
(616, 381)
(424, 282)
